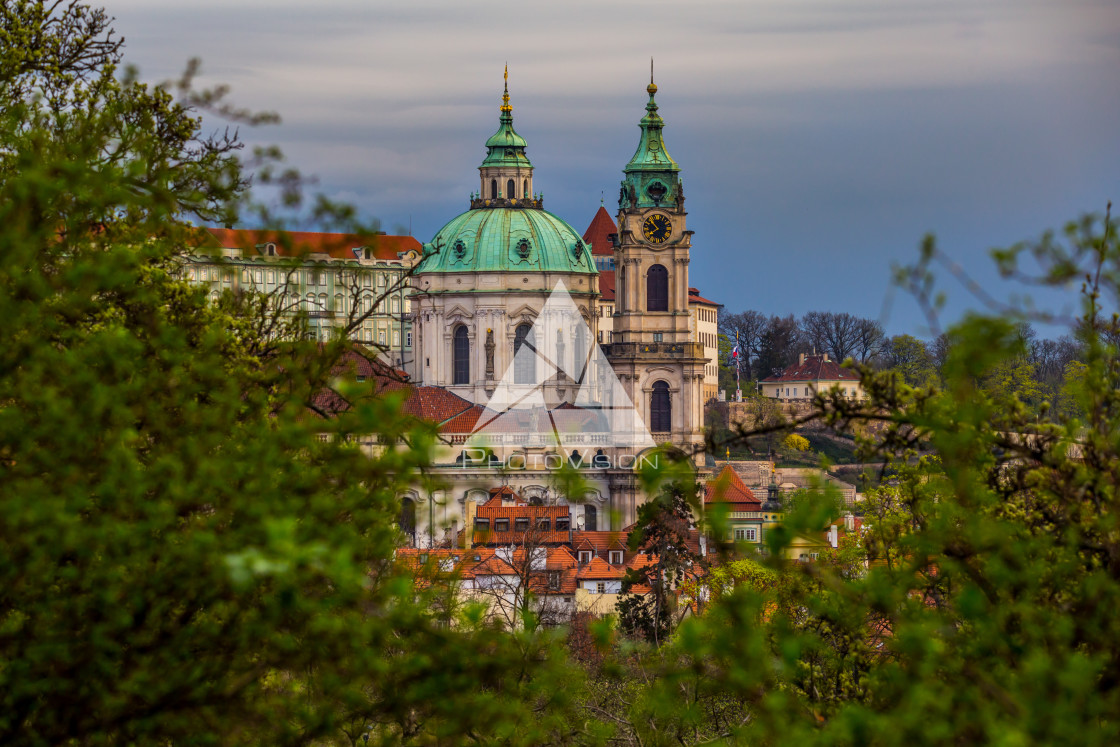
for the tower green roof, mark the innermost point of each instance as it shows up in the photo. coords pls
(652, 177)
(505, 147)
(651, 154)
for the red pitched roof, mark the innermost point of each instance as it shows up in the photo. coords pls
(464, 422)
(602, 226)
(601, 569)
(729, 488)
(695, 297)
(598, 541)
(815, 368)
(435, 404)
(606, 285)
(294, 243)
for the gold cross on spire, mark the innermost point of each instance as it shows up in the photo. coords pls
(505, 95)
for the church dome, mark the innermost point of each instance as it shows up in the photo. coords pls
(490, 238)
(507, 228)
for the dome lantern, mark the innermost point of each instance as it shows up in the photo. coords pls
(506, 173)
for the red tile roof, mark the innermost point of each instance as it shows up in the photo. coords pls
(729, 488)
(602, 226)
(606, 284)
(464, 422)
(695, 297)
(815, 368)
(294, 243)
(435, 404)
(601, 569)
(600, 542)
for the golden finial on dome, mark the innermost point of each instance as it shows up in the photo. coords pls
(506, 108)
(652, 87)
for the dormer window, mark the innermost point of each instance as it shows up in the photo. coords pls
(614, 557)
(563, 524)
(584, 557)
(501, 525)
(481, 525)
(521, 524)
(544, 524)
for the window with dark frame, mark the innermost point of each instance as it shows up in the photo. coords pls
(660, 408)
(521, 523)
(657, 289)
(501, 525)
(461, 355)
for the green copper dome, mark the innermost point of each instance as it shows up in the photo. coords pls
(507, 239)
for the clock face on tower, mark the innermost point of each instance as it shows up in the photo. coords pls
(656, 228)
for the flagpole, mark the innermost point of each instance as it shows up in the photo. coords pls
(738, 357)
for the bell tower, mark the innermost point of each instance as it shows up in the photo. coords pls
(660, 367)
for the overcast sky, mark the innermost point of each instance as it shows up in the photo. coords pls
(818, 139)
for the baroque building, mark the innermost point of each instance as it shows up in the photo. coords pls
(508, 303)
(483, 290)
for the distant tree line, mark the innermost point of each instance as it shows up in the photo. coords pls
(1042, 372)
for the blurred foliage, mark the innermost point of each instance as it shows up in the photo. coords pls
(187, 556)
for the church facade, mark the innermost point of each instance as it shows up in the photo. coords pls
(483, 303)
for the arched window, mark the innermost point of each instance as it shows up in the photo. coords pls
(660, 409)
(590, 518)
(579, 354)
(657, 289)
(525, 367)
(525, 189)
(511, 191)
(461, 356)
(493, 189)
(408, 516)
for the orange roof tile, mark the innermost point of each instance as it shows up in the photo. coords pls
(728, 487)
(435, 404)
(601, 569)
(599, 541)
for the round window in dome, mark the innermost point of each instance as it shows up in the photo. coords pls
(523, 249)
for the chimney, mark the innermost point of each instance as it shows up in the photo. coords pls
(801, 359)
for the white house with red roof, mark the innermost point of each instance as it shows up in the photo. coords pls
(810, 375)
